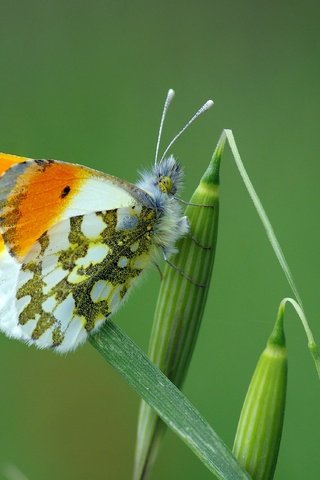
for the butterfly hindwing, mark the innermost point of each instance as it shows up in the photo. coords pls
(78, 273)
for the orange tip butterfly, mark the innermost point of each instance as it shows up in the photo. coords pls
(74, 240)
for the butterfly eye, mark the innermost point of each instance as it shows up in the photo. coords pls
(165, 184)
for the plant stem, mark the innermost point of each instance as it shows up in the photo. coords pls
(298, 305)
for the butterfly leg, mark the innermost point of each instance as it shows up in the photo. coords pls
(204, 247)
(194, 239)
(159, 270)
(188, 230)
(193, 204)
(190, 279)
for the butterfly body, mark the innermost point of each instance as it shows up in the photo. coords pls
(73, 243)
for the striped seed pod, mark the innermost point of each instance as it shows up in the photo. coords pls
(181, 303)
(258, 436)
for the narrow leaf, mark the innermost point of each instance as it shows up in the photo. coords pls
(169, 403)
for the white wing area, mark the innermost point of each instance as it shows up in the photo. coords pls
(9, 273)
(96, 194)
(11, 278)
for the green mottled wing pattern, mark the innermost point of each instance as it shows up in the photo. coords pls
(78, 273)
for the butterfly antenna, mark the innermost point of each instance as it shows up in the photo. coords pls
(201, 110)
(169, 98)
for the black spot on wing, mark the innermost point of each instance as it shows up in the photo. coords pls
(65, 191)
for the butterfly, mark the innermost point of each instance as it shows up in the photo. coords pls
(75, 240)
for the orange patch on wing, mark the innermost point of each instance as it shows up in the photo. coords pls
(7, 160)
(39, 198)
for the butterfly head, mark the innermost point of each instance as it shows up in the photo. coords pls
(164, 180)
(168, 176)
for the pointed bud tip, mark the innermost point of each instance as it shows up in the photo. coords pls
(212, 174)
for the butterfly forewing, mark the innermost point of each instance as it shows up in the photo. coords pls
(35, 194)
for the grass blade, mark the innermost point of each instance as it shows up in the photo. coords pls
(169, 403)
(313, 347)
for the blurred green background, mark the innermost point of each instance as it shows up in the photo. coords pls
(85, 82)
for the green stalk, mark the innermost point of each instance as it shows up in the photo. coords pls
(169, 403)
(180, 305)
(313, 348)
(259, 430)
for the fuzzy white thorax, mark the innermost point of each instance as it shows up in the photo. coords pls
(171, 223)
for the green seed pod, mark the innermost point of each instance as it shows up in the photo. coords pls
(181, 303)
(258, 436)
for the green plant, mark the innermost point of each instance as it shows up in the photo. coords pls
(172, 343)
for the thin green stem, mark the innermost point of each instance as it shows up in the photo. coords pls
(262, 214)
(298, 305)
(311, 342)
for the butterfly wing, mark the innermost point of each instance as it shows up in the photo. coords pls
(74, 242)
